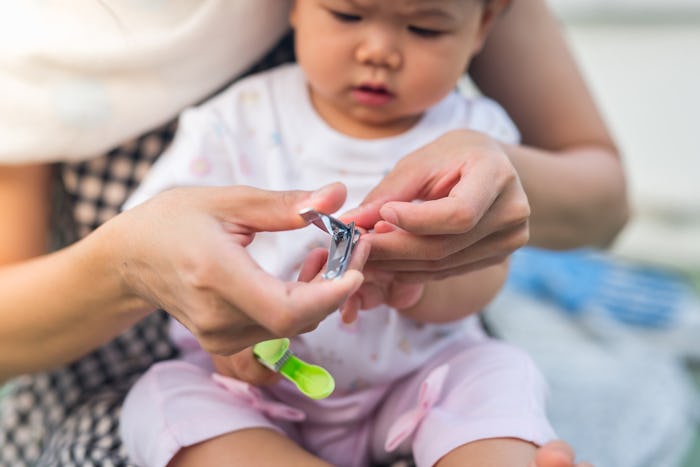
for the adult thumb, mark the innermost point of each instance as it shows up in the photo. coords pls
(265, 210)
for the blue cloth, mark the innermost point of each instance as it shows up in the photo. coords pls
(583, 280)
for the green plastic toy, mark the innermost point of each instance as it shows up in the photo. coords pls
(312, 380)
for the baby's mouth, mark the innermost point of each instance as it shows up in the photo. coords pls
(372, 95)
(374, 89)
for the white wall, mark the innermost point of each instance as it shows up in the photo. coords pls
(642, 61)
(625, 8)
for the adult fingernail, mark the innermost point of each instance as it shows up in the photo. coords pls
(321, 193)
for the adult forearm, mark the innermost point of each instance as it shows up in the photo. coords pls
(577, 196)
(574, 182)
(58, 307)
(183, 251)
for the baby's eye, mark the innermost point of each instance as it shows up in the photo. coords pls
(346, 17)
(424, 32)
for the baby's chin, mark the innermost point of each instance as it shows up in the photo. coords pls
(370, 124)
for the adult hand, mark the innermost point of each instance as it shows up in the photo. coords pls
(474, 211)
(185, 252)
(243, 365)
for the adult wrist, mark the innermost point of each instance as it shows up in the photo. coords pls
(104, 255)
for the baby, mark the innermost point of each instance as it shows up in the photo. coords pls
(415, 373)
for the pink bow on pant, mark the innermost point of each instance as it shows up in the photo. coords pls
(406, 424)
(257, 400)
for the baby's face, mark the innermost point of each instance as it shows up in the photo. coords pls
(374, 66)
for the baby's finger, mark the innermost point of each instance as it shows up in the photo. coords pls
(313, 264)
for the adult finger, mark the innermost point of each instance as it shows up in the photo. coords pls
(410, 179)
(401, 245)
(509, 214)
(263, 210)
(360, 254)
(313, 264)
(315, 261)
(434, 256)
(473, 194)
(284, 308)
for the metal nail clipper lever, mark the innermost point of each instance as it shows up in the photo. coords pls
(344, 237)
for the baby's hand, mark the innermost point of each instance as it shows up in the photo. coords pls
(245, 367)
(381, 287)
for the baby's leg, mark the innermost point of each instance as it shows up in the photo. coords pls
(465, 401)
(177, 412)
(252, 447)
(509, 452)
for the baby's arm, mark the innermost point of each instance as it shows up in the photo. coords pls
(458, 296)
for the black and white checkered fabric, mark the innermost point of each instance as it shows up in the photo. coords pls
(70, 416)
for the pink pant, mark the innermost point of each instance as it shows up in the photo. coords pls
(481, 390)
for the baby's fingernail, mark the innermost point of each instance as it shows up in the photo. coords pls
(384, 227)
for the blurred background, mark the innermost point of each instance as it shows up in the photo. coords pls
(642, 61)
(618, 335)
